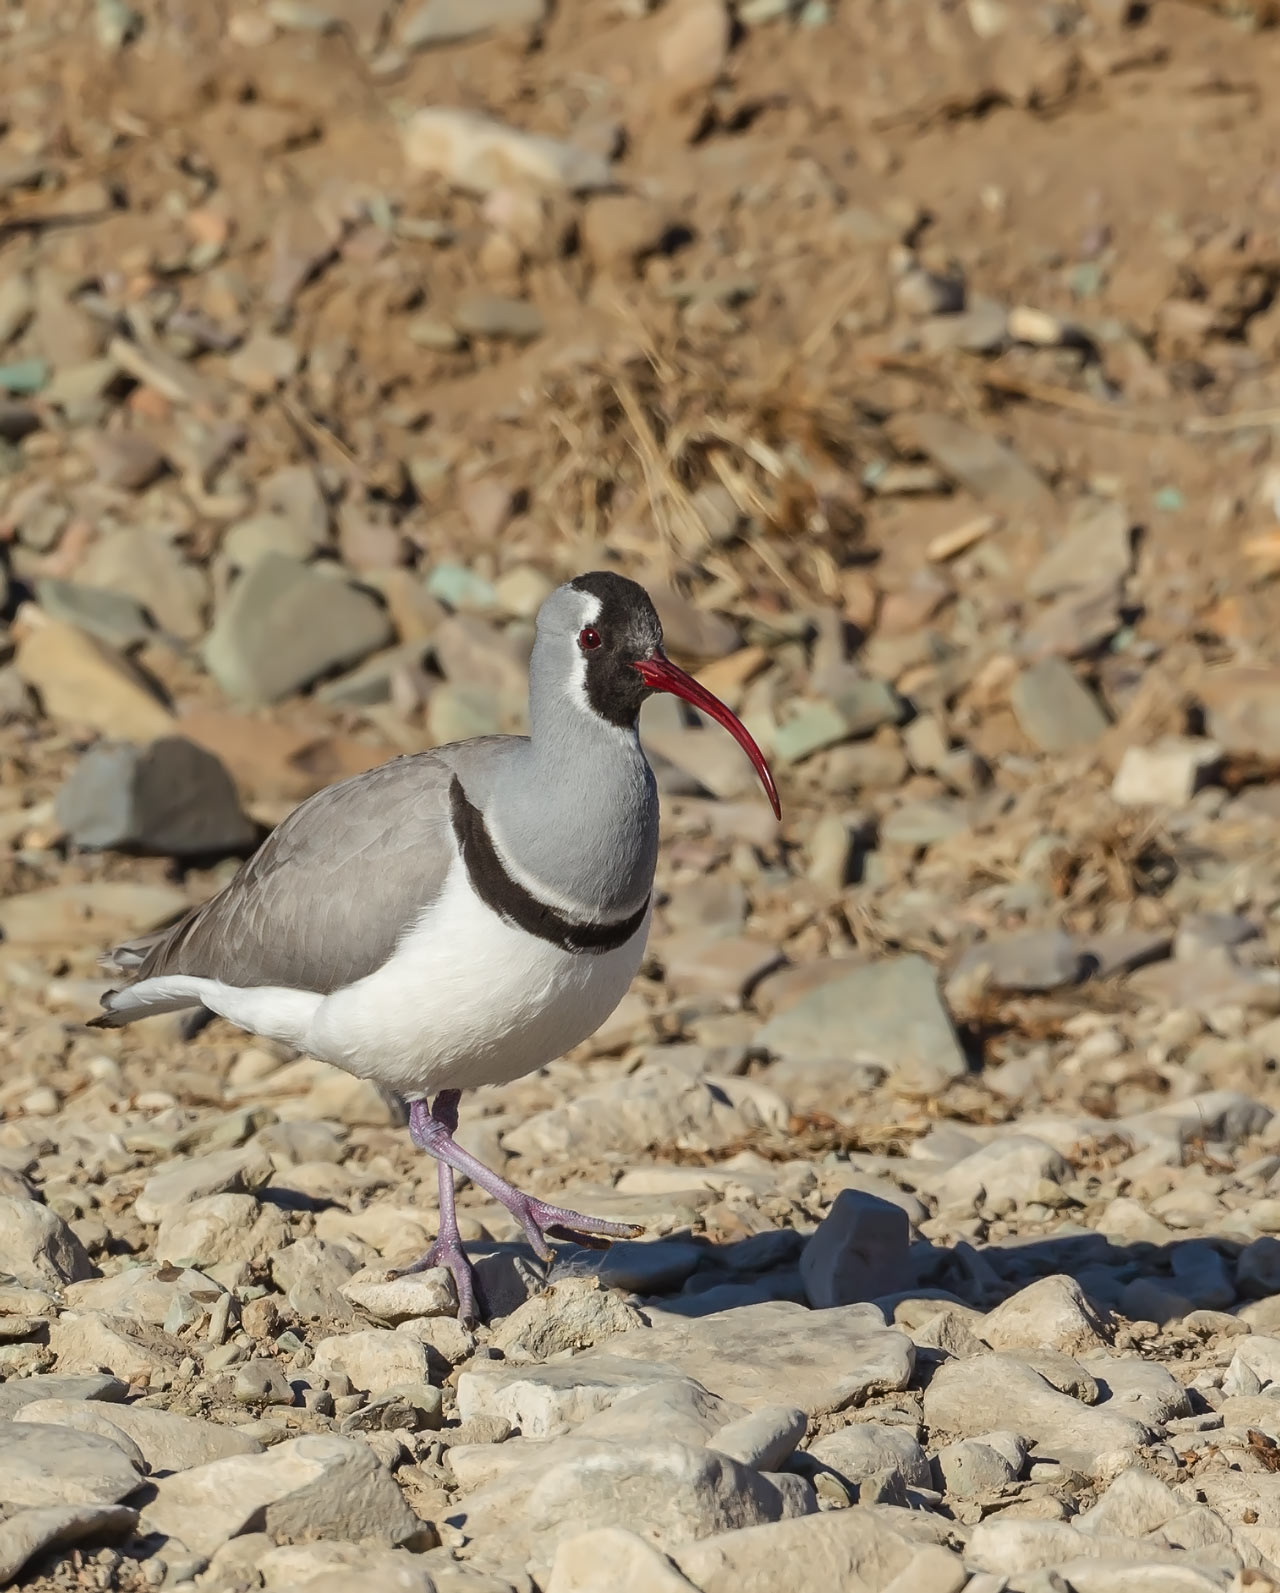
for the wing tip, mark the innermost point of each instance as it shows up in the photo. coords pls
(110, 1018)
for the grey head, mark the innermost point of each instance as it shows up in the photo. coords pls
(576, 806)
(599, 652)
(592, 633)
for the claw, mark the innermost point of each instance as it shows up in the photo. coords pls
(446, 1252)
(432, 1131)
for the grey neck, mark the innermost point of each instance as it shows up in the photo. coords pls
(575, 810)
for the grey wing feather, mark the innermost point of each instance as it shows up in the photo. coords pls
(326, 897)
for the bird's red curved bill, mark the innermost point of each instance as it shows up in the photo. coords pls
(662, 675)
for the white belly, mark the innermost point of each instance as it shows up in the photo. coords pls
(469, 1000)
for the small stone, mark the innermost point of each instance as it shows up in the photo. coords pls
(922, 293)
(402, 1297)
(458, 713)
(860, 1250)
(1166, 774)
(168, 799)
(124, 460)
(1200, 1273)
(887, 1013)
(619, 230)
(1203, 935)
(700, 964)
(815, 726)
(973, 1467)
(81, 682)
(295, 494)
(1153, 1300)
(151, 568)
(654, 1485)
(340, 1097)
(1243, 711)
(982, 327)
(447, 21)
(1053, 1312)
(42, 1466)
(37, 1248)
(866, 766)
(24, 376)
(144, 1293)
(96, 913)
(853, 1549)
(429, 331)
(409, 1407)
(315, 1486)
(923, 823)
(749, 1353)
(765, 1439)
(113, 618)
(86, 1340)
(1010, 1169)
(1054, 710)
(284, 625)
(261, 1382)
(164, 1440)
(1258, 1268)
(492, 315)
(1097, 548)
(264, 362)
(248, 541)
(217, 1228)
(117, 24)
(691, 631)
(1255, 1366)
(1135, 1505)
(477, 153)
(375, 1359)
(864, 1449)
(990, 470)
(571, 1315)
(464, 590)
(613, 1560)
(693, 45)
(1036, 960)
(522, 591)
(1075, 625)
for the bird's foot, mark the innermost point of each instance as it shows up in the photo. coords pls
(536, 1217)
(432, 1130)
(447, 1251)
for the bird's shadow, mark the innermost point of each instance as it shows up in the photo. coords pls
(766, 1266)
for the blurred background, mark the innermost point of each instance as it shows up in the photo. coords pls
(922, 357)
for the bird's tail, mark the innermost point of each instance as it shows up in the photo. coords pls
(145, 1000)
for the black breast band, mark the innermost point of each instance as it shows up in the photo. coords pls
(513, 903)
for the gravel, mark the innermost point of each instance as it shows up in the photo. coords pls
(947, 1110)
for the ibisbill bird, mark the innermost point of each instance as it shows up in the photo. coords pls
(457, 917)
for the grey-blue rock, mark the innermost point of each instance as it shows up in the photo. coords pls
(1054, 710)
(284, 625)
(1038, 959)
(169, 799)
(860, 1250)
(888, 1013)
(113, 617)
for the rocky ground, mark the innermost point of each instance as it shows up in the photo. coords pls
(924, 360)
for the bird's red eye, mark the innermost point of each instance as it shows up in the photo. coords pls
(588, 639)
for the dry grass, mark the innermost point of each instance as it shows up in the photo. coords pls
(637, 442)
